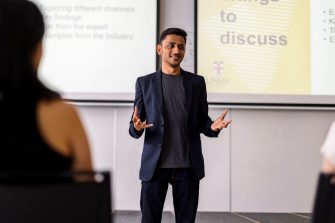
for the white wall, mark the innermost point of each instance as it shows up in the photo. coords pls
(275, 158)
(267, 161)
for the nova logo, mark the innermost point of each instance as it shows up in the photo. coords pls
(218, 67)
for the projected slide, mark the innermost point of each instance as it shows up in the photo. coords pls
(266, 47)
(96, 49)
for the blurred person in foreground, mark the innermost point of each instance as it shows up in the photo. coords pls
(39, 132)
(324, 204)
(328, 152)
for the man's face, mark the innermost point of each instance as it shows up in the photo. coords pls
(172, 50)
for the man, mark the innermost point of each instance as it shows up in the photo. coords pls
(171, 106)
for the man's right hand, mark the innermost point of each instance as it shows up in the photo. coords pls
(138, 124)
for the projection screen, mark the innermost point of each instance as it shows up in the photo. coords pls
(94, 50)
(267, 51)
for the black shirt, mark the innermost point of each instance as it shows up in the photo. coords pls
(175, 150)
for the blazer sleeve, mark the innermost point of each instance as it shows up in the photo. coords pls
(141, 110)
(205, 120)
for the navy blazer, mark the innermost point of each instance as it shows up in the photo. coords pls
(149, 100)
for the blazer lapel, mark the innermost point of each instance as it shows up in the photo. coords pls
(188, 91)
(158, 91)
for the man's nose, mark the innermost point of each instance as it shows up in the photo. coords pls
(176, 50)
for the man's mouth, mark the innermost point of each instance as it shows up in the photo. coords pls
(175, 57)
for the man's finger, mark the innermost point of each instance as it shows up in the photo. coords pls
(145, 125)
(224, 113)
(226, 123)
(148, 126)
(138, 123)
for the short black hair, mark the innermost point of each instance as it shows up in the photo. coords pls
(172, 31)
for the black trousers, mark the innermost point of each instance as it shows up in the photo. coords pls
(185, 191)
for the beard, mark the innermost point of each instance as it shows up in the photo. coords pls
(174, 63)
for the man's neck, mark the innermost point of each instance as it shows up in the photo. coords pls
(171, 70)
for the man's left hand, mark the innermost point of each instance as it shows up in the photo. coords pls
(220, 122)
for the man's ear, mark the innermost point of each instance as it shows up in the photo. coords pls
(159, 49)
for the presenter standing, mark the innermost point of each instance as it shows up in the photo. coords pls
(171, 107)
